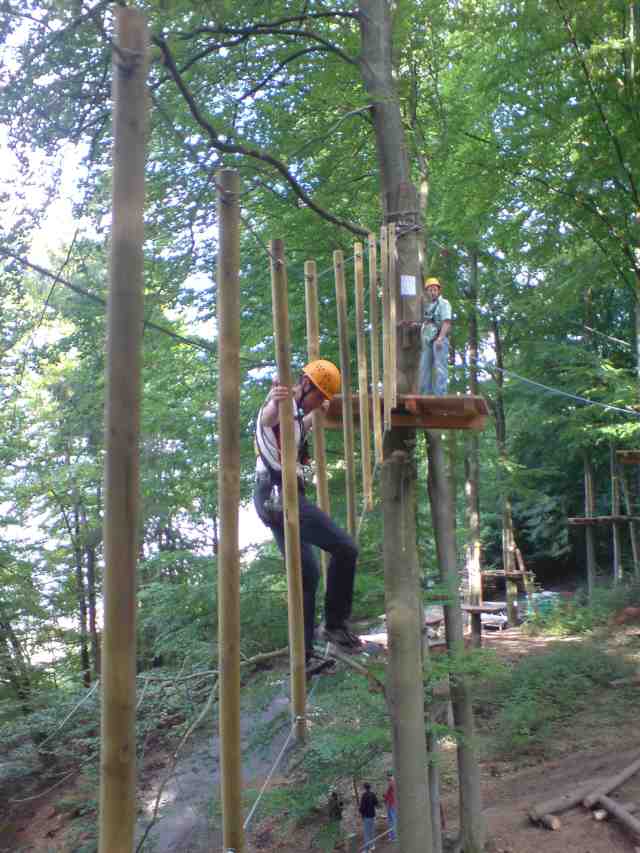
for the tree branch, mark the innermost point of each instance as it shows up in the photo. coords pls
(247, 151)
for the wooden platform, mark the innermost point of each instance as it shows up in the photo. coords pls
(602, 519)
(420, 412)
(628, 457)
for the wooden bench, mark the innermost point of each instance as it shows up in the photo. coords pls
(476, 611)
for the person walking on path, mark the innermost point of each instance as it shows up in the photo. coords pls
(434, 336)
(368, 806)
(319, 382)
(389, 798)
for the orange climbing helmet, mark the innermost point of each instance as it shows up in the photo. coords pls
(433, 282)
(325, 376)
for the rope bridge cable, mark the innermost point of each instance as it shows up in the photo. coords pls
(558, 391)
(276, 763)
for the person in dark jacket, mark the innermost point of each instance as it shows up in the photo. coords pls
(368, 806)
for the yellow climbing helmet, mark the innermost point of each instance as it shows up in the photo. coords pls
(433, 281)
(325, 376)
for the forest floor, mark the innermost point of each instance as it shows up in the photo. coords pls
(598, 741)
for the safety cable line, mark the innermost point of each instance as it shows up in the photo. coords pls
(558, 391)
(624, 344)
(278, 759)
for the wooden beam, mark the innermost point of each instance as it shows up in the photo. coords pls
(228, 305)
(363, 384)
(319, 444)
(125, 316)
(374, 320)
(628, 457)
(601, 519)
(279, 291)
(345, 369)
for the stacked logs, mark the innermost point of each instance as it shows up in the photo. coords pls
(591, 794)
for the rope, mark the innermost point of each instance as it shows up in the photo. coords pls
(561, 393)
(276, 763)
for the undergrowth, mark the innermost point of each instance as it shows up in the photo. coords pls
(579, 616)
(544, 691)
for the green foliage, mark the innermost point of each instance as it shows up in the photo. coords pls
(544, 690)
(579, 616)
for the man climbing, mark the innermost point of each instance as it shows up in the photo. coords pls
(436, 325)
(318, 383)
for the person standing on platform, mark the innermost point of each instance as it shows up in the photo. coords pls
(367, 808)
(434, 336)
(319, 382)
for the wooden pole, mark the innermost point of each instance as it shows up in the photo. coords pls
(363, 385)
(122, 426)
(347, 410)
(615, 511)
(589, 511)
(387, 387)
(392, 284)
(404, 628)
(228, 303)
(633, 530)
(279, 292)
(374, 320)
(319, 444)
(441, 500)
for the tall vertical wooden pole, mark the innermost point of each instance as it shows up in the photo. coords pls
(363, 385)
(122, 426)
(615, 510)
(228, 303)
(347, 409)
(633, 532)
(589, 511)
(387, 381)
(395, 313)
(374, 320)
(279, 292)
(319, 444)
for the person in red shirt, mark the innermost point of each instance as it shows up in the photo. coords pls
(389, 798)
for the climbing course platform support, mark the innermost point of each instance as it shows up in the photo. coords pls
(422, 412)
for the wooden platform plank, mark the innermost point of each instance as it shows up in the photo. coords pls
(628, 457)
(416, 411)
(601, 519)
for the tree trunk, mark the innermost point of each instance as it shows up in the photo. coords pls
(589, 511)
(441, 499)
(508, 533)
(472, 454)
(85, 663)
(405, 694)
(13, 662)
(404, 600)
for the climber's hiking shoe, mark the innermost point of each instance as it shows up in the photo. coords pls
(344, 639)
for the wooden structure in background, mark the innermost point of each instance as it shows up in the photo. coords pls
(594, 520)
(628, 457)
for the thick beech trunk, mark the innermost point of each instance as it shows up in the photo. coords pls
(471, 818)
(404, 600)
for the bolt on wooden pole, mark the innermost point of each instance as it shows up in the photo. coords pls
(347, 409)
(279, 293)
(228, 303)
(374, 320)
(319, 444)
(122, 427)
(363, 385)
